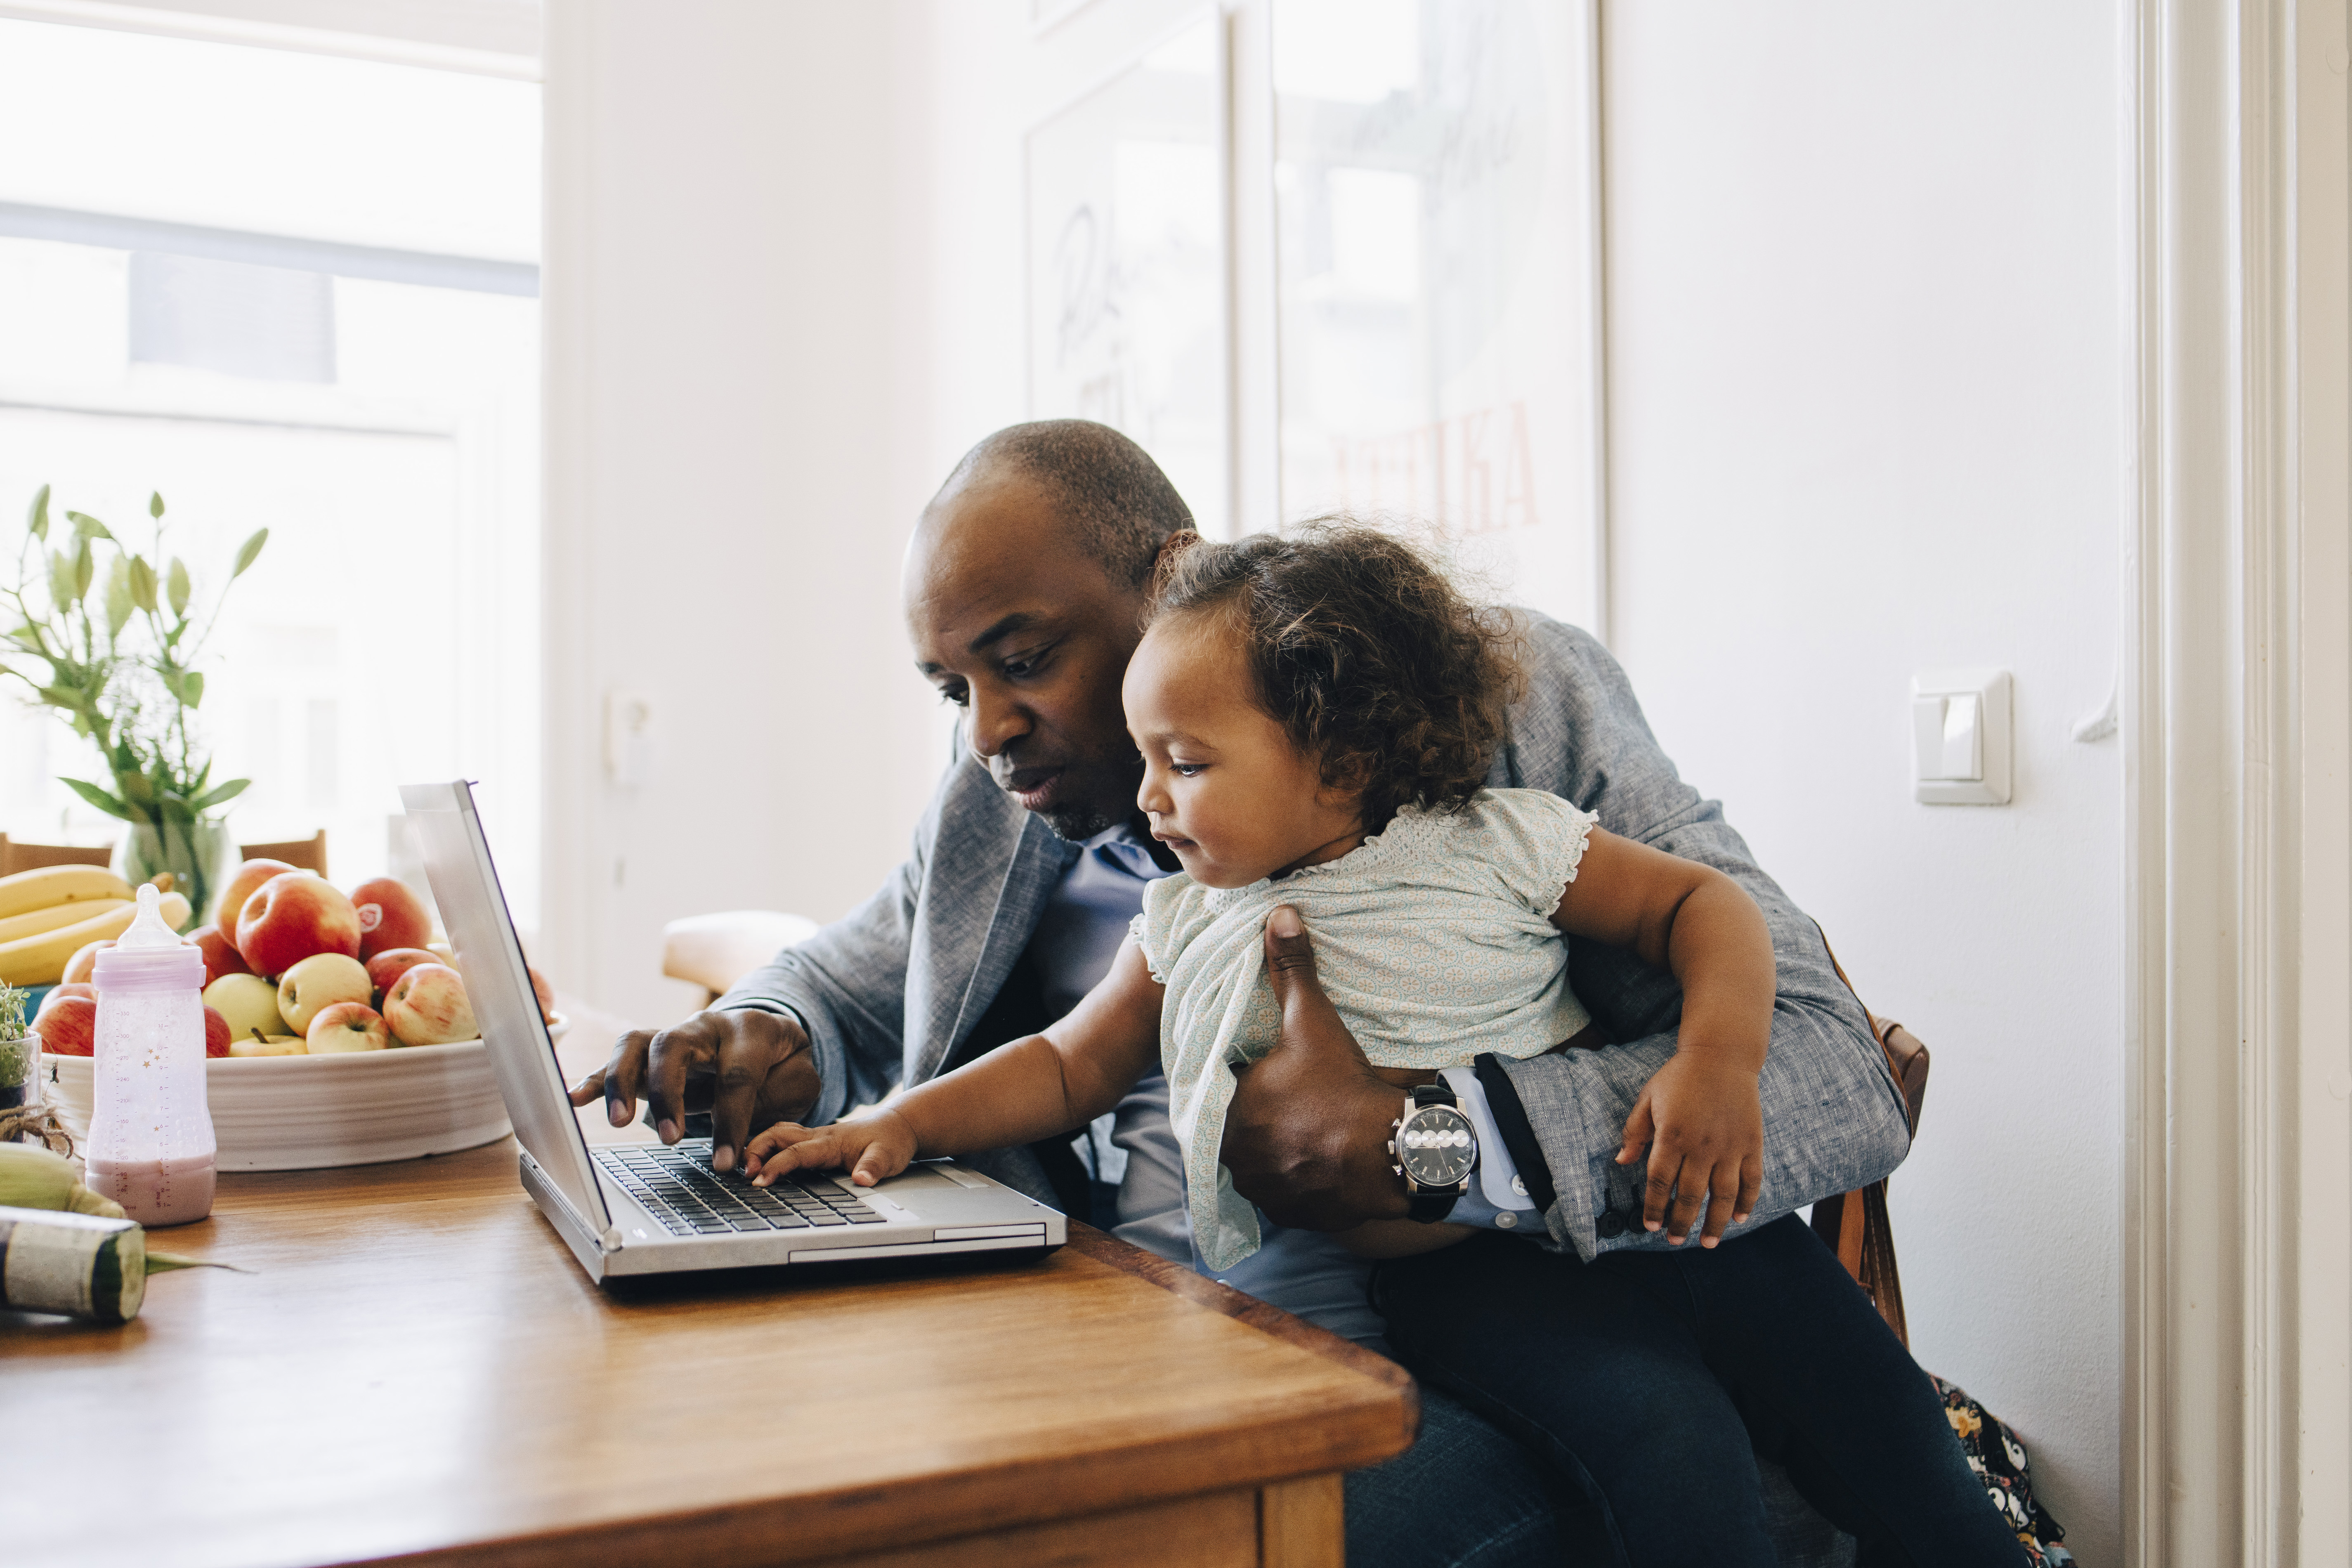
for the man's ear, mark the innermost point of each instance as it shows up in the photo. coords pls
(1172, 546)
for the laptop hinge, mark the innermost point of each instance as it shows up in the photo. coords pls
(609, 1241)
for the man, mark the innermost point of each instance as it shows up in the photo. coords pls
(1026, 584)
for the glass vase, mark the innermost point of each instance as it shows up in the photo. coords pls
(202, 856)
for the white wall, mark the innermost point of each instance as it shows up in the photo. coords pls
(1868, 381)
(728, 291)
(783, 287)
(1869, 391)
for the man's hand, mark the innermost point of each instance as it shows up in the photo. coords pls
(1700, 1119)
(745, 1067)
(871, 1148)
(1306, 1135)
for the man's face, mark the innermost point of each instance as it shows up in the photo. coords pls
(1012, 621)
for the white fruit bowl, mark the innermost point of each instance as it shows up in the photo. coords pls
(308, 1113)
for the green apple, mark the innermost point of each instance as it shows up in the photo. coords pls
(347, 1026)
(317, 984)
(249, 1003)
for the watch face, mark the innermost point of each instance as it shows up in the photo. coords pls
(1435, 1146)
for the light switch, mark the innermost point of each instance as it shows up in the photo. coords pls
(1960, 737)
(628, 737)
(1948, 735)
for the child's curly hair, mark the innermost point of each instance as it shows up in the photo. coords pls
(1364, 653)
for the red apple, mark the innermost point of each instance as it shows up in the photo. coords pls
(221, 956)
(291, 917)
(216, 1034)
(428, 1006)
(390, 916)
(67, 1026)
(84, 961)
(241, 887)
(388, 966)
(347, 1026)
(71, 988)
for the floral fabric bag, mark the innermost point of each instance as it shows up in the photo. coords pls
(1999, 1459)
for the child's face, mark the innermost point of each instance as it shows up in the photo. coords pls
(1222, 785)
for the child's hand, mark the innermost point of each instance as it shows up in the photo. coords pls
(871, 1147)
(1700, 1119)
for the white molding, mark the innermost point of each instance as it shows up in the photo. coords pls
(570, 811)
(2238, 823)
(2319, 1099)
(174, 23)
(1596, 197)
(298, 253)
(1256, 319)
(2269, 873)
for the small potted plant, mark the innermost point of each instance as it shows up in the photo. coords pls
(111, 643)
(20, 1052)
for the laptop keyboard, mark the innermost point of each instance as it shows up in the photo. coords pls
(676, 1185)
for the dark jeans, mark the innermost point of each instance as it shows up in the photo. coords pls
(1464, 1496)
(1652, 1380)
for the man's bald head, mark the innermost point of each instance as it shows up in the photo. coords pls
(1117, 504)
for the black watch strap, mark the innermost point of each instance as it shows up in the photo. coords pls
(1430, 1204)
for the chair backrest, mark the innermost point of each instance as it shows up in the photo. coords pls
(16, 857)
(716, 950)
(302, 854)
(1856, 1225)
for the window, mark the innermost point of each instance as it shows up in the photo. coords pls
(300, 292)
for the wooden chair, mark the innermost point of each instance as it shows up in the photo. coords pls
(16, 857)
(1856, 1225)
(302, 854)
(716, 950)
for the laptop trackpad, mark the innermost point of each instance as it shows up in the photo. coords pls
(939, 1199)
(914, 1179)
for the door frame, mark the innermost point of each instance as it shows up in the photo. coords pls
(2237, 725)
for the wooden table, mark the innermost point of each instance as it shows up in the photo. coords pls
(418, 1369)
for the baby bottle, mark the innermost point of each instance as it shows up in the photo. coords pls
(151, 1131)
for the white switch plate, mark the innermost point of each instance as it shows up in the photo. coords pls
(1960, 737)
(628, 737)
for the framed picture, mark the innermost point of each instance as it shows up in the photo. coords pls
(1126, 272)
(1047, 14)
(1438, 281)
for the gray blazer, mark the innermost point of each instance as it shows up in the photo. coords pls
(888, 991)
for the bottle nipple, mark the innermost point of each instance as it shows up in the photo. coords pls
(148, 929)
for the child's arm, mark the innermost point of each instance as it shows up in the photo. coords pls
(1031, 1089)
(1698, 1114)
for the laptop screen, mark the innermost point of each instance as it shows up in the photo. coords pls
(490, 956)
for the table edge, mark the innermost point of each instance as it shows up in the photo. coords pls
(827, 1527)
(1178, 1279)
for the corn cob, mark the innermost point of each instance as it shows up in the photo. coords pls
(50, 885)
(31, 1177)
(84, 1266)
(63, 1248)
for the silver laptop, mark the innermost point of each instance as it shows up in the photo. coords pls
(647, 1209)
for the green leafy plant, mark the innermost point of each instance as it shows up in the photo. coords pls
(115, 650)
(16, 1049)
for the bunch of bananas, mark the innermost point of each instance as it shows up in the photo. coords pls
(49, 915)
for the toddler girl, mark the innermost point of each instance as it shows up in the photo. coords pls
(1317, 716)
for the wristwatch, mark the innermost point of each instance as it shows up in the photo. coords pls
(1436, 1149)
